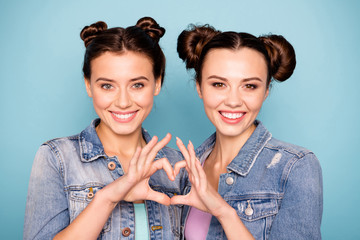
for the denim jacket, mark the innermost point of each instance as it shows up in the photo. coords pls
(275, 187)
(66, 174)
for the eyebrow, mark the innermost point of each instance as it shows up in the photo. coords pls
(244, 79)
(112, 80)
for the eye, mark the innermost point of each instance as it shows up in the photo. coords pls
(250, 86)
(138, 85)
(106, 86)
(218, 84)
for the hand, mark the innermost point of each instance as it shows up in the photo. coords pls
(202, 195)
(134, 185)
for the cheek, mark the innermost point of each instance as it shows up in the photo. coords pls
(212, 99)
(254, 102)
(102, 100)
(144, 99)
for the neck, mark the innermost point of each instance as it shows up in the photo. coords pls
(122, 146)
(226, 148)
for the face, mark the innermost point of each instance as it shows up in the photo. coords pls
(233, 89)
(122, 87)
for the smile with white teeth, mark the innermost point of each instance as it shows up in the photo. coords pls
(123, 116)
(232, 115)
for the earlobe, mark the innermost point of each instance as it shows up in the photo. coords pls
(198, 89)
(266, 94)
(157, 86)
(87, 86)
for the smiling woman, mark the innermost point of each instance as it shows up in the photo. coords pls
(85, 186)
(247, 184)
(122, 88)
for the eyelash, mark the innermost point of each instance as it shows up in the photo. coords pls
(218, 84)
(247, 86)
(250, 86)
(138, 85)
(106, 86)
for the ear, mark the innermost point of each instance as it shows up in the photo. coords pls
(157, 86)
(266, 93)
(87, 85)
(198, 89)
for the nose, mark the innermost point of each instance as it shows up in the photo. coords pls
(233, 98)
(123, 99)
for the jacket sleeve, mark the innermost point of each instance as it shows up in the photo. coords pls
(46, 211)
(300, 213)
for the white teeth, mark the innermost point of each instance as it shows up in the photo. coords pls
(123, 116)
(232, 115)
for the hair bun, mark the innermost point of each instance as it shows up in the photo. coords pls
(151, 28)
(282, 56)
(192, 41)
(88, 33)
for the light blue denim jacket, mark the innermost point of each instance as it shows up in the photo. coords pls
(66, 169)
(275, 187)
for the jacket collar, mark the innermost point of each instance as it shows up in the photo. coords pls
(247, 155)
(91, 147)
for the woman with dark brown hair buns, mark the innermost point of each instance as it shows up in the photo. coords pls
(243, 183)
(103, 183)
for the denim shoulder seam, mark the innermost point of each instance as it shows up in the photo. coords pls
(292, 150)
(54, 149)
(290, 166)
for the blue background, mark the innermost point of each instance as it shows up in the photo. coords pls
(42, 93)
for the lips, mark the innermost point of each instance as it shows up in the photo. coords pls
(232, 117)
(123, 117)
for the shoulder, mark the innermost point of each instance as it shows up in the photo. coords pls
(298, 160)
(56, 150)
(63, 143)
(278, 145)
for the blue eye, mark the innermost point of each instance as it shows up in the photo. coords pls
(138, 85)
(106, 86)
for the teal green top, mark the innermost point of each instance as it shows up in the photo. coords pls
(141, 222)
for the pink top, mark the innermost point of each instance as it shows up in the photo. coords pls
(198, 222)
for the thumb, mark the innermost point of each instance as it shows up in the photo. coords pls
(180, 199)
(159, 197)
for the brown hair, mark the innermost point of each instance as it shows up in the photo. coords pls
(197, 41)
(142, 38)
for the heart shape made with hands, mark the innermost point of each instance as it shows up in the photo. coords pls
(142, 166)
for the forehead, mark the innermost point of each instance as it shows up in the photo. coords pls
(121, 65)
(240, 63)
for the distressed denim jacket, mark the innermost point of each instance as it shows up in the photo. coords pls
(66, 174)
(275, 187)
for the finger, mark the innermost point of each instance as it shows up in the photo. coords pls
(202, 177)
(149, 145)
(180, 199)
(191, 149)
(159, 197)
(152, 153)
(182, 149)
(178, 166)
(192, 163)
(134, 159)
(145, 151)
(164, 164)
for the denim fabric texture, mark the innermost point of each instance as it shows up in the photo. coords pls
(65, 172)
(275, 187)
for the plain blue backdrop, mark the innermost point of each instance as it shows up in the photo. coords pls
(42, 94)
